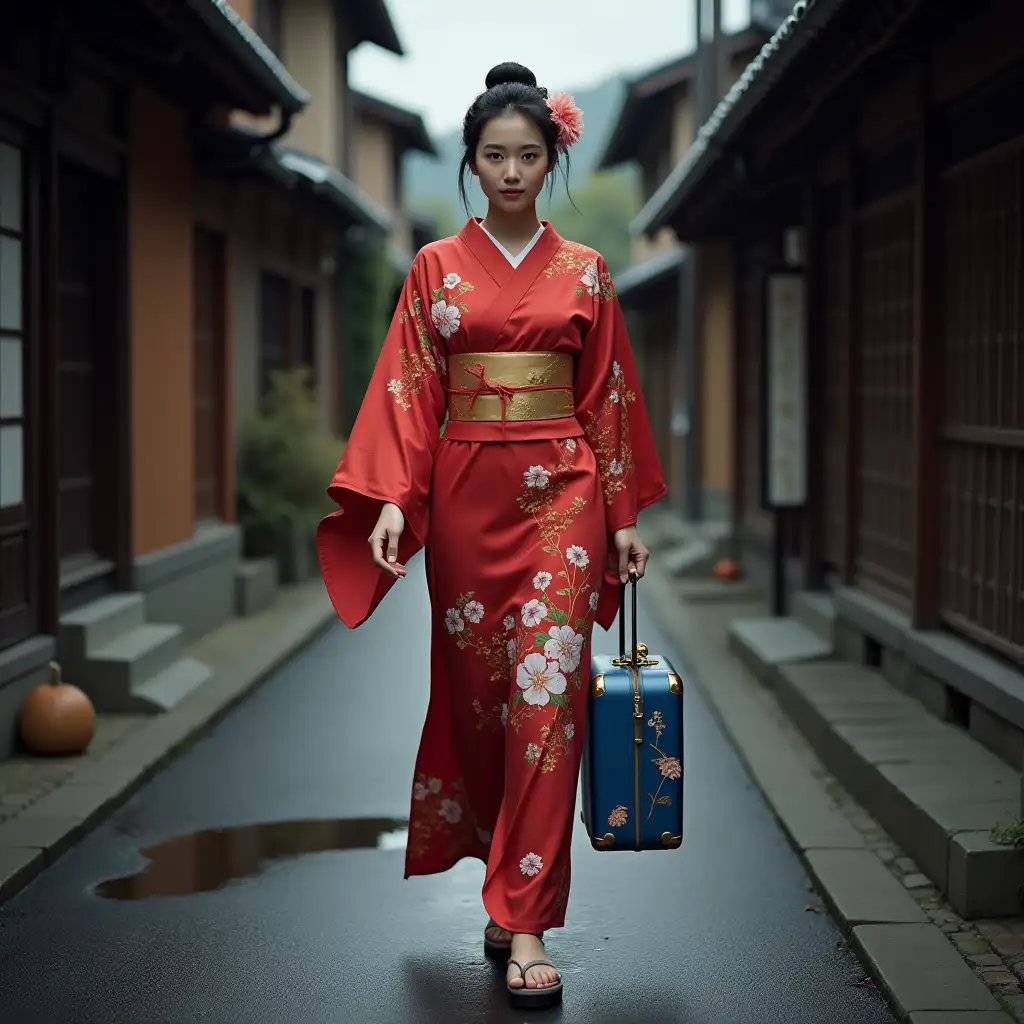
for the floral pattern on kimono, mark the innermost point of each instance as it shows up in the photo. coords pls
(542, 646)
(610, 387)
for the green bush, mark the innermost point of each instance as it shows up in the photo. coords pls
(285, 462)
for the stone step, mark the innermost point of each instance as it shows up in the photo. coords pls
(170, 687)
(817, 611)
(112, 672)
(934, 789)
(98, 623)
(763, 644)
(710, 590)
(255, 585)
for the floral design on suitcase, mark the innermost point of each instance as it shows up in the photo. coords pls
(671, 768)
(619, 816)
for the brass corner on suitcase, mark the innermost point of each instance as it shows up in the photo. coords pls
(671, 842)
(605, 842)
(597, 685)
(675, 684)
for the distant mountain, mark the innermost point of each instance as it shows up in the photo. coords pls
(431, 185)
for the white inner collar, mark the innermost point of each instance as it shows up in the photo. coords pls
(519, 257)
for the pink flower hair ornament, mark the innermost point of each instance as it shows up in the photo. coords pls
(568, 119)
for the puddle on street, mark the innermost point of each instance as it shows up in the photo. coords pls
(209, 860)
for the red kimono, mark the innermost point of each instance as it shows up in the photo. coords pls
(516, 519)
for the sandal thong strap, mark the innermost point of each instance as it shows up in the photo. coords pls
(534, 963)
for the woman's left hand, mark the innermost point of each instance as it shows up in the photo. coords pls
(632, 553)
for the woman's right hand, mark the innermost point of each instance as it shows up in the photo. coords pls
(384, 540)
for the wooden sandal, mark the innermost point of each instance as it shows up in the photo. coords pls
(496, 950)
(535, 998)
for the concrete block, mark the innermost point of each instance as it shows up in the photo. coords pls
(921, 968)
(816, 610)
(691, 558)
(98, 623)
(896, 668)
(984, 877)
(921, 779)
(930, 692)
(255, 585)
(114, 670)
(861, 890)
(764, 644)
(18, 866)
(850, 643)
(170, 687)
(1004, 739)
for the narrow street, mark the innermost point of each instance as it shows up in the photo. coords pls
(718, 933)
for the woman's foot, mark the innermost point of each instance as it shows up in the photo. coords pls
(524, 949)
(495, 935)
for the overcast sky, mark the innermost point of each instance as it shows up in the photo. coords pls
(569, 44)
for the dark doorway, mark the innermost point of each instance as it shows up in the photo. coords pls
(88, 342)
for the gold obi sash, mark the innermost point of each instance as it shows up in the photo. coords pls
(489, 387)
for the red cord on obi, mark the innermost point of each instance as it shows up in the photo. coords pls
(506, 392)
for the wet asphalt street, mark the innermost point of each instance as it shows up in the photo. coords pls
(716, 933)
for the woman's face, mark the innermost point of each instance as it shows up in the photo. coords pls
(511, 161)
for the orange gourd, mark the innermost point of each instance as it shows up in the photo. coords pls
(57, 718)
(726, 569)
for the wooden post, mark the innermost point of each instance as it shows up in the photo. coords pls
(813, 516)
(48, 418)
(851, 405)
(927, 371)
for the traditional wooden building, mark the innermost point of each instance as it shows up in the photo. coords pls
(868, 167)
(116, 540)
(676, 314)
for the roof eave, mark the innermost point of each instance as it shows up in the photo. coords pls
(371, 23)
(787, 43)
(231, 30)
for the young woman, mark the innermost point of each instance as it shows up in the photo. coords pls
(526, 506)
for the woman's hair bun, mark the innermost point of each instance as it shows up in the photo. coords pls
(501, 74)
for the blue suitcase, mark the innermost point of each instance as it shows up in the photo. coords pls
(633, 748)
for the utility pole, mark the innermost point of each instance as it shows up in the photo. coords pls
(710, 81)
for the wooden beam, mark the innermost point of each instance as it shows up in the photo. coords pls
(927, 369)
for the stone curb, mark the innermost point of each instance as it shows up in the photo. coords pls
(917, 970)
(39, 835)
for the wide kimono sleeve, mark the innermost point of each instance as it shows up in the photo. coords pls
(389, 457)
(610, 408)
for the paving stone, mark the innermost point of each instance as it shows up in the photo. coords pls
(906, 864)
(18, 865)
(1000, 977)
(986, 960)
(860, 888)
(921, 969)
(52, 836)
(1008, 945)
(959, 1017)
(916, 881)
(971, 945)
(990, 928)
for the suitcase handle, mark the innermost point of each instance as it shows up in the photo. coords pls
(634, 657)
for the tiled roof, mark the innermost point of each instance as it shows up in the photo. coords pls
(233, 30)
(789, 40)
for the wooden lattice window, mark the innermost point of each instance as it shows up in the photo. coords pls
(834, 382)
(982, 566)
(885, 251)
